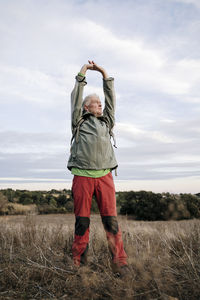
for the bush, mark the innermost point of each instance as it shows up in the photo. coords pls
(151, 206)
(192, 203)
(69, 206)
(61, 200)
(25, 199)
(144, 205)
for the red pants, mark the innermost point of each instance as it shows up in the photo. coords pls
(103, 188)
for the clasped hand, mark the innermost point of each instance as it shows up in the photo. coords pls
(94, 67)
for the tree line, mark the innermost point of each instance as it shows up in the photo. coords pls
(151, 206)
(141, 205)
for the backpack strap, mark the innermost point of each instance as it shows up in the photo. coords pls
(75, 133)
(110, 131)
(76, 129)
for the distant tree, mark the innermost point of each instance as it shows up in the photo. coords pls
(61, 200)
(53, 191)
(17, 193)
(49, 198)
(53, 202)
(38, 198)
(10, 195)
(192, 203)
(144, 205)
(25, 198)
(151, 206)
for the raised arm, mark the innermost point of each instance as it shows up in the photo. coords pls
(109, 93)
(110, 101)
(77, 95)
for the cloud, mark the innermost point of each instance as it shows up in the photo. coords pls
(193, 2)
(32, 165)
(152, 68)
(131, 132)
(31, 85)
(26, 142)
(153, 55)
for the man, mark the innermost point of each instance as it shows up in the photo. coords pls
(91, 161)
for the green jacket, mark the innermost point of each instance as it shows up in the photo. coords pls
(91, 147)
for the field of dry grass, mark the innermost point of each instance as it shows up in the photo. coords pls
(35, 260)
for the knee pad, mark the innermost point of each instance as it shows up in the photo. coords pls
(81, 225)
(110, 224)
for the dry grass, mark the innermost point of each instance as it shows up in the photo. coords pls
(8, 208)
(35, 260)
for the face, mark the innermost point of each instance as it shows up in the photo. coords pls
(94, 107)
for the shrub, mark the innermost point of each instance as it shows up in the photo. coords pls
(69, 206)
(151, 206)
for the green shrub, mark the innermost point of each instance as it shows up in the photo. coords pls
(151, 206)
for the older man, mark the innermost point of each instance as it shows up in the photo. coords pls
(91, 161)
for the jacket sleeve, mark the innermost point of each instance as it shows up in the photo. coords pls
(110, 101)
(76, 100)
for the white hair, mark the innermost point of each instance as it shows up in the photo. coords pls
(88, 99)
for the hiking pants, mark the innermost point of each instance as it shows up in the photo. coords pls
(103, 188)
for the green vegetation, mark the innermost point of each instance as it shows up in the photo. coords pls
(152, 207)
(44, 202)
(140, 205)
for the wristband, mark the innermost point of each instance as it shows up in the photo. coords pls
(81, 74)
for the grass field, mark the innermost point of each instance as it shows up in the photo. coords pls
(35, 260)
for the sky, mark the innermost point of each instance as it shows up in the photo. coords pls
(150, 47)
